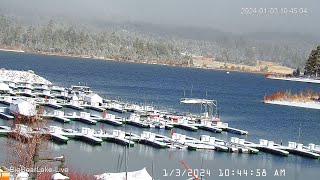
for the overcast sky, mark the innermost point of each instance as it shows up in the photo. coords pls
(224, 15)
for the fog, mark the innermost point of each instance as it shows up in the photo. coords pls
(224, 15)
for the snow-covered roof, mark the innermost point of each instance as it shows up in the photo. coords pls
(4, 87)
(75, 98)
(23, 107)
(58, 176)
(135, 175)
(196, 101)
(93, 98)
(22, 176)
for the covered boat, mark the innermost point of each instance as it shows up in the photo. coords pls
(23, 107)
(135, 175)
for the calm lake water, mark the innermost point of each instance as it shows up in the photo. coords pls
(239, 97)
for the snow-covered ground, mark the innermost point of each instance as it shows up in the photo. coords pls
(309, 80)
(310, 105)
(22, 76)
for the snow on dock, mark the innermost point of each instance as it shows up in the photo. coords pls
(149, 138)
(119, 137)
(108, 119)
(298, 79)
(225, 127)
(269, 147)
(297, 149)
(212, 141)
(184, 124)
(207, 126)
(86, 118)
(88, 136)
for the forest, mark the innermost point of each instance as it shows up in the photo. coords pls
(144, 43)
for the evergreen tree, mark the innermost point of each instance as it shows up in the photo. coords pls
(312, 67)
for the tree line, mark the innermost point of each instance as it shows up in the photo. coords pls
(130, 44)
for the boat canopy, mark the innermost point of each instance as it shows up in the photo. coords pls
(93, 98)
(22, 107)
(4, 87)
(135, 175)
(196, 101)
(59, 176)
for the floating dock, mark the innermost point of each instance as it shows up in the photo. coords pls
(184, 124)
(108, 119)
(72, 106)
(137, 124)
(58, 138)
(86, 118)
(119, 137)
(225, 127)
(4, 130)
(297, 149)
(88, 136)
(6, 116)
(95, 108)
(240, 143)
(268, 146)
(61, 119)
(148, 138)
(52, 105)
(206, 126)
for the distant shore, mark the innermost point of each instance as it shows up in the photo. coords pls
(11, 50)
(299, 79)
(125, 60)
(309, 105)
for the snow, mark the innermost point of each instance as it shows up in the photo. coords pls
(58, 176)
(4, 87)
(310, 105)
(309, 80)
(93, 98)
(22, 76)
(135, 175)
(23, 107)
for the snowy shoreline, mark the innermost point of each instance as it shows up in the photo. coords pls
(309, 105)
(308, 80)
(22, 76)
(12, 50)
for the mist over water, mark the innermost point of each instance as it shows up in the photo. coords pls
(216, 14)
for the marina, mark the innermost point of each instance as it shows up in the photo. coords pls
(73, 133)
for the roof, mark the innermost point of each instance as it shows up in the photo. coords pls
(135, 175)
(4, 87)
(93, 98)
(58, 176)
(196, 101)
(23, 107)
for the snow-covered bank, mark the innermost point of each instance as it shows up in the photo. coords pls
(22, 76)
(308, 80)
(310, 105)
(12, 50)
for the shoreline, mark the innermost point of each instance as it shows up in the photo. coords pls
(123, 60)
(297, 79)
(307, 105)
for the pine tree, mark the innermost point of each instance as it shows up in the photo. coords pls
(312, 67)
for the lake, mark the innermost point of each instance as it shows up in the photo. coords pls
(239, 97)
